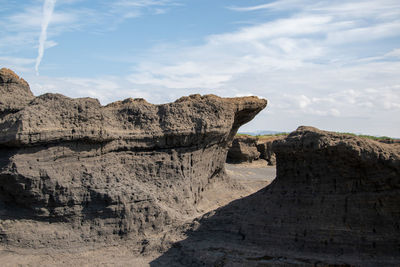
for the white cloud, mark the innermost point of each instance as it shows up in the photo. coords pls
(35, 17)
(320, 65)
(362, 34)
(127, 9)
(300, 65)
(277, 5)
(303, 41)
(347, 9)
(303, 101)
(140, 3)
(20, 27)
(106, 88)
(394, 53)
(296, 26)
(48, 8)
(17, 64)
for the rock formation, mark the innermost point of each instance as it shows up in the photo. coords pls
(247, 148)
(335, 200)
(14, 91)
(264, 146)
(72, 170)
(243, 149)
(390, 141)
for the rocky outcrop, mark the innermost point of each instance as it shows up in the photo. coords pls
(247, 148)
(390, 141)
(264, 146)
(335, 200)
(14, 92)
(72, 170)
(243, 149)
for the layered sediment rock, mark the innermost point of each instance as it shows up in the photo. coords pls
(243, 149)
(126, 169)
(335, 200)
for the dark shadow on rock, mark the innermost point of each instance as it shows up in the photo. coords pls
(335, 201)
(228, 237)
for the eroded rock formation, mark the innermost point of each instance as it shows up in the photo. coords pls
(264, 146)
(335, 200)
(243, 149)
(390, 141)
(72, 170)
(14, 91)
(247, 148)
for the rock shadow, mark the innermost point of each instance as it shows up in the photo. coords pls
(222, 238)
(323, 209)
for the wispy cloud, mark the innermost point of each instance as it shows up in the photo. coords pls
(48, 9)
(312, 37)
(314, 63)
(275, 5)
(18, 64)
(127, 9)
(331, 64)
(141, 3)
(394, 53)
(20, 28)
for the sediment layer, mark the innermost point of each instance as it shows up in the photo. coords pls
(72, 170)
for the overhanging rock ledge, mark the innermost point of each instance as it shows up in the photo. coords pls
(72, 170)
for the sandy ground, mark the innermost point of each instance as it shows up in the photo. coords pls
(254, 175)
(109, 256)
(250, 176)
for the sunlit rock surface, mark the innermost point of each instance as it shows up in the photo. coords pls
(72, 170)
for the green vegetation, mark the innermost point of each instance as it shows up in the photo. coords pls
(264, 136)
(241, 134)
(269, 135)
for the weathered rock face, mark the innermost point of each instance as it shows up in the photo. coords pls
(129, 168)
(390, 141)
(14, 91)
(264, 146)
(246, 148)
(243, 149)
(335, 200)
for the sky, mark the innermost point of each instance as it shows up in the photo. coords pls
(334, 65)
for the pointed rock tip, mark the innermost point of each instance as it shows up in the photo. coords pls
(9, 76)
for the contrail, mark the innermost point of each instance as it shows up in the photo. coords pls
(48, 9)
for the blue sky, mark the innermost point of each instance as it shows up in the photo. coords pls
(334, 65)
